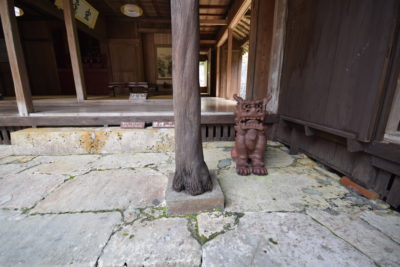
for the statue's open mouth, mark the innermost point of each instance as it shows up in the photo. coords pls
(252, 122)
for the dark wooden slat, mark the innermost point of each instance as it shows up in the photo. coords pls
(386, 165)
(335, 61)
(320, 127)
(387, 151)
(393, 198)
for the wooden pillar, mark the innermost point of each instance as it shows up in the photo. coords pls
(229, 64)
(74, 50)
(261, 30)
(16, 58)
(191, 173)
(218, 73)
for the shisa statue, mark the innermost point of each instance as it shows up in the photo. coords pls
(251, 135)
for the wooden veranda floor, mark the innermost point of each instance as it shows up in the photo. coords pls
(97, 112)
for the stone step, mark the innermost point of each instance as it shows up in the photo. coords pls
(62, 141)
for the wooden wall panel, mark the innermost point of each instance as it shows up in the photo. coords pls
(40, 58)
(149, 57)
(126, 60)
(334, 62)
(234, 88)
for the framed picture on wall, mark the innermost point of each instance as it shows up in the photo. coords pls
(164, 62)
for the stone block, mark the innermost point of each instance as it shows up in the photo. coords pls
(181, 203)
(61, 141)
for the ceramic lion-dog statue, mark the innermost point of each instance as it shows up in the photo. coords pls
(251, 136)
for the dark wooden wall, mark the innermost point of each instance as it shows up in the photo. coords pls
(40, 57)
(236, 70)
(335, 62)
(340, 58)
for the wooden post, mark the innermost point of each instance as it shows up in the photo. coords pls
(261, 36)
(74, 50)
(191, 172)
(229, 63)
(218, 69)
(16, 58)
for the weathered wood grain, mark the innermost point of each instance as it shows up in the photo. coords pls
(191, 174)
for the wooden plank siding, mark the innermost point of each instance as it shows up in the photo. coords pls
(339, 76)
(334, 63)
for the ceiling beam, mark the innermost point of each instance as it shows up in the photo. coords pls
(213, 6)
(208, 42)
(238, 10)
(154, 30)
(213, 22)
(211, 15)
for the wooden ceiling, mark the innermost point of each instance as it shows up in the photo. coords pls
(212, 13)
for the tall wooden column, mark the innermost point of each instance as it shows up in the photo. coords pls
(229, 64)
(74, 50)
(218, 73)
(191, 172)
(16, 58)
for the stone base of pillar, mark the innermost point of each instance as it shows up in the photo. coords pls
(181, 203)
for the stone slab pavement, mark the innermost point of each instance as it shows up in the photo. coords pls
(109, 210)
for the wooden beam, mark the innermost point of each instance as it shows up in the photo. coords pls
(208, 42)
(229, 62)
(213, 6)
(237, 11)
(74, 51)
(154, 30)
(16, 58)
(213, 22)
(191, 172)
(210, 15)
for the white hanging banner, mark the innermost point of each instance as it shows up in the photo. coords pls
(84, 12)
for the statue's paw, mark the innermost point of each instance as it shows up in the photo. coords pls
(243, 170)
(260, 171)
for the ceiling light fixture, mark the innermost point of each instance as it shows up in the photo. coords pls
(132, 10)
(18, 11)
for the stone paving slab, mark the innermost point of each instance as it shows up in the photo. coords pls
(16, 159)
(132, 160)
(14, 168)
(386, 222)
(287, 189)
(162, 242)
(278, 213)
(369, 240)
(69, 165)
(211, 223)
(280, 239)
(24, 190)
(106, 190)
(54, 240)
